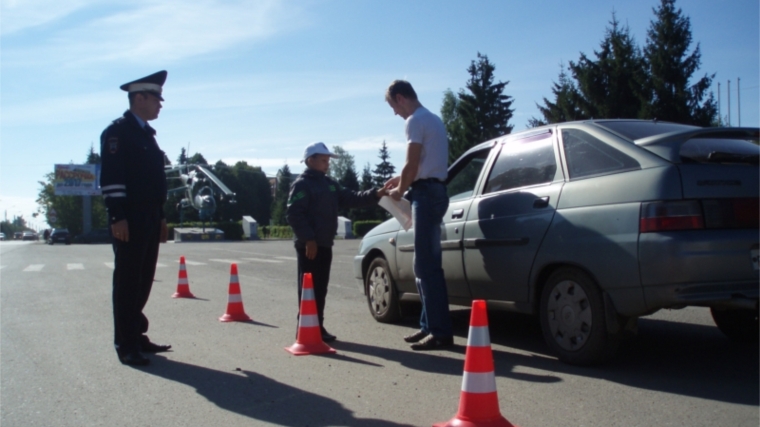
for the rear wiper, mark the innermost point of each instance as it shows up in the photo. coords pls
(720, 157)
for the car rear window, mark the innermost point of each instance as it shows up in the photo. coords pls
(720, 150)
(634, 130)
(589, 156)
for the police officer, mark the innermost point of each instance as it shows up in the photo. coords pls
(133, 183)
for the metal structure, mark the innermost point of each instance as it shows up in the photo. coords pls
(201, 188)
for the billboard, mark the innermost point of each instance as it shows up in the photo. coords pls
(76, 180)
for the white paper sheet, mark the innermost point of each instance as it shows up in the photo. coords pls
(401, 210)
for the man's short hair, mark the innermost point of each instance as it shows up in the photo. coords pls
(400, 87)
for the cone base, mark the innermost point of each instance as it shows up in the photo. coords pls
(306, 349)
(240, 317)
(183, 295)
(458, 422)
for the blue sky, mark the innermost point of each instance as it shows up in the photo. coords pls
(259, 80)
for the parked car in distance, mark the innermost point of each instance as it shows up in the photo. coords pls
(17, 235)
(590, 225)
(59, 235)
(100, 235)
(28, 235)
(2, 236)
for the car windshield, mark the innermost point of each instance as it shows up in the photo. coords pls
(634, 130)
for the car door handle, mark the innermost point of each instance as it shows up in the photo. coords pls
(541, 202)
(458, 213)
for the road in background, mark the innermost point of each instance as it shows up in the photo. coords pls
(58, 366)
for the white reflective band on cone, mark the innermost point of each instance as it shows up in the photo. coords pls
(235, 298)
(182, 281)
(307, 294)
(478, 382)
(308, 321)
(478, 337)
(234, 279)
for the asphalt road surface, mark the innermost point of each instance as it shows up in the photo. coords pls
(58, 366)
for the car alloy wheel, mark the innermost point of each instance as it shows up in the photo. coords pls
(381, 292)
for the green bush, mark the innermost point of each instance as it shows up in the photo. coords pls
(362, 227)
(233, 230)
(275, 232)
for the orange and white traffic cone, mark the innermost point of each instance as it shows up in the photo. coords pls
(183, 287)
(235, 311)
(478, 401)
(309, 339)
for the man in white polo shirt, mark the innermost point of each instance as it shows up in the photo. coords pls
(424, 174)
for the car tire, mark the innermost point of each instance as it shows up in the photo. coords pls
(740, 325)
(572, 319)
(382, 297)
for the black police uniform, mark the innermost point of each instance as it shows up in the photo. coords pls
(313, 214)
(133, 183)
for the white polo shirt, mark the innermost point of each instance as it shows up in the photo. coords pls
(424, 127)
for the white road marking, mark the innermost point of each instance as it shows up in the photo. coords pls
(34, 267)
(109, 265)
(74, 267)
(288, 258)
(159, 265)
(264, 260)
(226, 261)
(188, 262)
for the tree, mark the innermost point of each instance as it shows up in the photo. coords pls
(197, 159)
(565, 106)
(383, 170)
(484, 111)
(369, 212)
(349, 181)
(280, 203)
(182, 159)
(453, 123)
(670, 67)
(339, 166)
(610, 85)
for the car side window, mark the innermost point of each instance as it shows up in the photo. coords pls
(464, 175)
(588, 156)
(523, 162)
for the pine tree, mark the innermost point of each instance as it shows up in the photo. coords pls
(339, 166)
(280, 203)
(453, 123)
(670, 67)
(383, 170)
(565, 106)
(370, 212)
(349, 181)
(610, 85)
(485, 111)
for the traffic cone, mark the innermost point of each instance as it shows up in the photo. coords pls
(309, 339)
(183, 288)
(478, 402)
(235, 311)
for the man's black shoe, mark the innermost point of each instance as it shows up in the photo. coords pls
(134, 358)
(416, 337)
(327, 337)
(432, 343)
(149, 347)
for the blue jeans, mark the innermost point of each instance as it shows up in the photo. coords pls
(429, 205)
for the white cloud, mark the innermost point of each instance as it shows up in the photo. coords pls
(18, 15)
(150, 31)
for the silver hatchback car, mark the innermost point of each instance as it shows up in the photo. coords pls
(590, 225)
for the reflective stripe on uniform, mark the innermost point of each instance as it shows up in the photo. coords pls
(115, 195)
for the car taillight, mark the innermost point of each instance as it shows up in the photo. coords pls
(670, 216)
(732, 213)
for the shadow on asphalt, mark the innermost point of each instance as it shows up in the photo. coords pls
(665, 356)
(262, 398)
